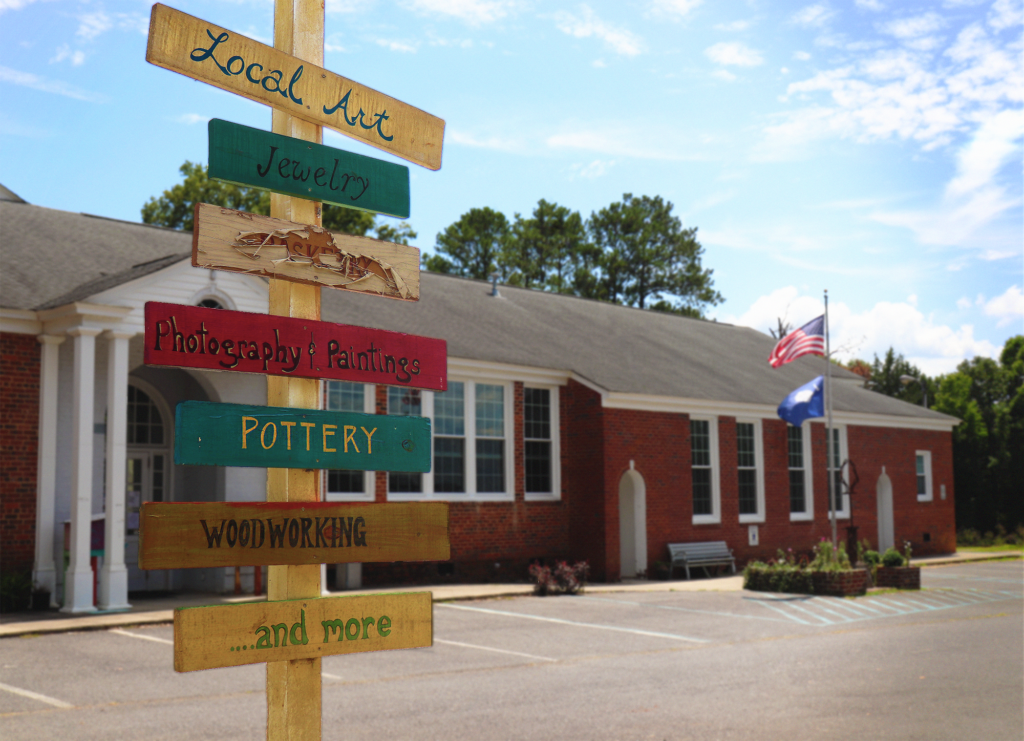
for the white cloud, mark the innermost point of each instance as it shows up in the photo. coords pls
(964, 303)
(1005, 14)
(470, 11)
(724, 74)
(399, 46)
(344, 6)
(874, 5)
(735, 53)
(191, 118)
(813, 15)
(733, 26)
(592, 170)
(675, 8)
(454, 136)
(76, 57)
(662, 144)
(92, 25)
(932, 346)
(1008, 307)
(29, 80)
(587, 24)
(911, 28)
(801, 56)
(599, 64)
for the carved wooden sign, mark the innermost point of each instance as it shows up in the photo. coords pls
(208, 434)
(203, 51)
(258, 632)
(180, 535)
(217, 339)
(240, 242)
(248, 156)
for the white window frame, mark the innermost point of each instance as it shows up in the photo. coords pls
(715, 518)
(805, 436)
(369, 493)
(470, 495)
(556, 451)
(843, 512)
(758, 516)
(929, 492)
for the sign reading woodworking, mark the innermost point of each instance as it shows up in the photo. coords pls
(217, 339)
(232, 635)
(208, 434)
(182, 535)
(247, 156)
(203, 51)
(224, 239)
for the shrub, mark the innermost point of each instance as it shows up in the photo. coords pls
(562, 579)
(15, 591)
(827, 558)
(872, 558)
(892, 558)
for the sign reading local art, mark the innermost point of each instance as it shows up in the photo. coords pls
(178, 535)
(217, 339)
(248, 156)
(209, 434)
(203, 51)
(233, 635)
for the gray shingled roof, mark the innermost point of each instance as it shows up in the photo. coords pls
(47, 254)
(618, 348)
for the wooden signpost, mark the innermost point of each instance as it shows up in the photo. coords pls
(221, 340)
(241, 242)
(247, 156)
(183, 535)
(234, 635)
(299, 87)
(295, 350)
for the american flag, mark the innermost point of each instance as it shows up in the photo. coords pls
(808, 340)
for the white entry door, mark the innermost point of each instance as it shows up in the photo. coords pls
(883, 494)
(146, 481)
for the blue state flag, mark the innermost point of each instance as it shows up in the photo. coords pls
(805, 402)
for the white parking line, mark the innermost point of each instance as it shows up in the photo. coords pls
(559, 621)
(325, 675)
(495, 650)
(36, 696)
(141, 637)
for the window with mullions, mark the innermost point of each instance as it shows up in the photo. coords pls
(923, 461)
(490, 438)
(747, 468)
(145, 425)
(700, 460)
(405, 402)
(837, 474)
(343, 396)
(450, 439)
(537, 440)
(797, 478)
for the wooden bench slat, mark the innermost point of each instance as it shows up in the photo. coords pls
(710, 553)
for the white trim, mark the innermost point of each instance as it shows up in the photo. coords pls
(805, 437)
(79, 313)
(759, 516)
(715, 518)
(20, 321)
(929, 492)
(556, 447)
(211, 290)
(483, 370)
(843, 511)
(369, 492)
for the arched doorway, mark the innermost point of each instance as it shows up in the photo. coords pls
(632, 524)
(883, 495)
(147, 476)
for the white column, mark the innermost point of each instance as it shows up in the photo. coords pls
(78, 579)
(113, 588)
(44, 572)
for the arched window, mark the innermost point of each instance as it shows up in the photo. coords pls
(145, 425)
(210, 303)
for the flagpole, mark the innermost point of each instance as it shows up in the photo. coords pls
(828, 429)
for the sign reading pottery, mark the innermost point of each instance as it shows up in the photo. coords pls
(240, 242)
(248, 156)
(233, 635)
(217, 339)
(209, 434)
(181, 535)
(203, 51)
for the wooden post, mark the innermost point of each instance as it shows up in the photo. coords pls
(294, 687)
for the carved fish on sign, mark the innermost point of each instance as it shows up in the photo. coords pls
(316, 246)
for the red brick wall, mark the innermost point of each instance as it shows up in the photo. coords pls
(583, 479)
(19, 437)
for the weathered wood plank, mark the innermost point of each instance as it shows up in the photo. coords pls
(203, 51)
(217, 339)
(182, 535)
(253, 157)
(210, 434)
(258, 632)
(240, 242)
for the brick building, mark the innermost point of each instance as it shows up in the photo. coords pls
(570, 429)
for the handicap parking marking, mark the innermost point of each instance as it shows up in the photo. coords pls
(36, 696)
(675, 608)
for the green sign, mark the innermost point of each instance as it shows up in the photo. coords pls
(209, 434)
(253, 157)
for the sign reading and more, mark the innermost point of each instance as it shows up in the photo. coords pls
(183, 535)
(233, 635)
(203, 51)
(248, 156)
(218, 339)
(240, 242)
(209, 434)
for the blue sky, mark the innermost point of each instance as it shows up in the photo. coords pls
(872, 148)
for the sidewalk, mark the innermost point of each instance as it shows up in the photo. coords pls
(155, 610)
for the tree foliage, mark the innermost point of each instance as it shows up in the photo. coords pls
(885, 378)
(634, 252)
(175, 208)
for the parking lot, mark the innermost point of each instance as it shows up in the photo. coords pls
(942, 663)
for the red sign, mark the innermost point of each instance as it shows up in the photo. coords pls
(217, 339)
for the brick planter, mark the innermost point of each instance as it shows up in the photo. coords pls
(835, 583)
(899, 577)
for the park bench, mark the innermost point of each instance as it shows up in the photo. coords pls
(712, 553)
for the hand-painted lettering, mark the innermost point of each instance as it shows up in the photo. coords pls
(359, 532)
(369, 439)
(215, 535)
(288, 426)
(247, 430)
(308, 426)
(329, 430)
(350, 431)
(376, 123)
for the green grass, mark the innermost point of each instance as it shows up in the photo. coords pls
(991, 548)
